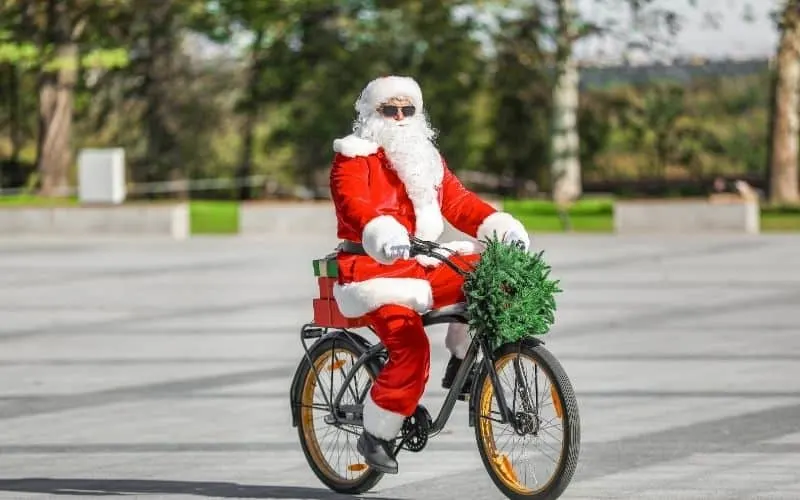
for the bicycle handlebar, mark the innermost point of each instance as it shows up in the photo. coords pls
(429, 249)
(424, 247)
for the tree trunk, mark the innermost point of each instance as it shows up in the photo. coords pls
(160, 154)
(16, 113)
(566, 166)
(771, 113)
(56, 88)
(245, 169)
(783, 169)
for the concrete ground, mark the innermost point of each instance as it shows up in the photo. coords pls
(162, 368)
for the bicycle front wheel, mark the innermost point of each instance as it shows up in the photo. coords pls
(535, 459)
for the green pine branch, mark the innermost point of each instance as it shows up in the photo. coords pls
(510, 295)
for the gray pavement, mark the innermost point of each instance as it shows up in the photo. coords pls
(161, 369)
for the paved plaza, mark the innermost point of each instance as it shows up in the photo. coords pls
(162, 369)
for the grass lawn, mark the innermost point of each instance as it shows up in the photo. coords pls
(780, 219)
(26, 200)
(590, 215)
(214, 217)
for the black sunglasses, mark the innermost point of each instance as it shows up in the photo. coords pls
(389, 111)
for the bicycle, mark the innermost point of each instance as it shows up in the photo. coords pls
(342, 352)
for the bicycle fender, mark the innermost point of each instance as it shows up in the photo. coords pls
(532, 341)
(295, 388)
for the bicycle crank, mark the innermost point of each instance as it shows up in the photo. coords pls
(416, 429)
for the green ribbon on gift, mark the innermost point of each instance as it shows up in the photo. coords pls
(326, 267)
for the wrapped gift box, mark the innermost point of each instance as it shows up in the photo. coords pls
(326, 311)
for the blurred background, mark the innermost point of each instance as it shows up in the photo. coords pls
(534, 99)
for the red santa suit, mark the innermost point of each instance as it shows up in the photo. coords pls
(374, 203)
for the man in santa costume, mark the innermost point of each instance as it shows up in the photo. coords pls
(389, 181)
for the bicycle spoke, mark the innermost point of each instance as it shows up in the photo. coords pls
(530, 458)
(335, 442)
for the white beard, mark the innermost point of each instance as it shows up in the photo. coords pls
(417, 162)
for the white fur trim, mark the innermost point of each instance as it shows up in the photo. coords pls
(381, 423)
(429, 221)
(380, 231)
(352, 146)
(498, 224)
(459, 247)
(361, 297)
(457, 339)
(382, 89)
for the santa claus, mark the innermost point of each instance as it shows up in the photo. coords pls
(389, 181)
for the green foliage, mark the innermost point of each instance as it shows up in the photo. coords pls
(714, 125)
(521, 91)
(292, 69)
(509, 294)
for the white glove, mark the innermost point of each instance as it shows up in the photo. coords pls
(514, 236)
(397, 248)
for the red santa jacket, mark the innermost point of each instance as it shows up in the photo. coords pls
(372, 203)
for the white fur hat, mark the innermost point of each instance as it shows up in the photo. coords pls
(384, 88)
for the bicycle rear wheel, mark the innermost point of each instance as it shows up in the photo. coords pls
(538, 460)
(330, 449)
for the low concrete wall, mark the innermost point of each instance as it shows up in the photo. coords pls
(686, 216)
(146, 220)
(263, 218)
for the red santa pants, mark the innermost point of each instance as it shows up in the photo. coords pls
(402, 381)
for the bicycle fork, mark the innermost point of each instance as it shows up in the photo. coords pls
(507, 415)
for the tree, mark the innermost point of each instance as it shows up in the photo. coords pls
(783, 182)
(521, 91)
(269, 24)
(49, 43)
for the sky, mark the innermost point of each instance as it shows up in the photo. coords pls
(733, 37)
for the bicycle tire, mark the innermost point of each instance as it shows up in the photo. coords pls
(568, 459)
(311, 450)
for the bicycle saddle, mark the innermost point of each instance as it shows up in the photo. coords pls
(456, 313)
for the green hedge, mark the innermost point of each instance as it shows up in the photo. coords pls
(214, 217)
(590, 215)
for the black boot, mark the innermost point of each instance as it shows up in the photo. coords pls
(450, 375)
(377, 453)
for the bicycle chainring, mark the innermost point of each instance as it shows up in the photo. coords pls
(416, 429)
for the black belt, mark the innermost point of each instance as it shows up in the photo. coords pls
(348, 246)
